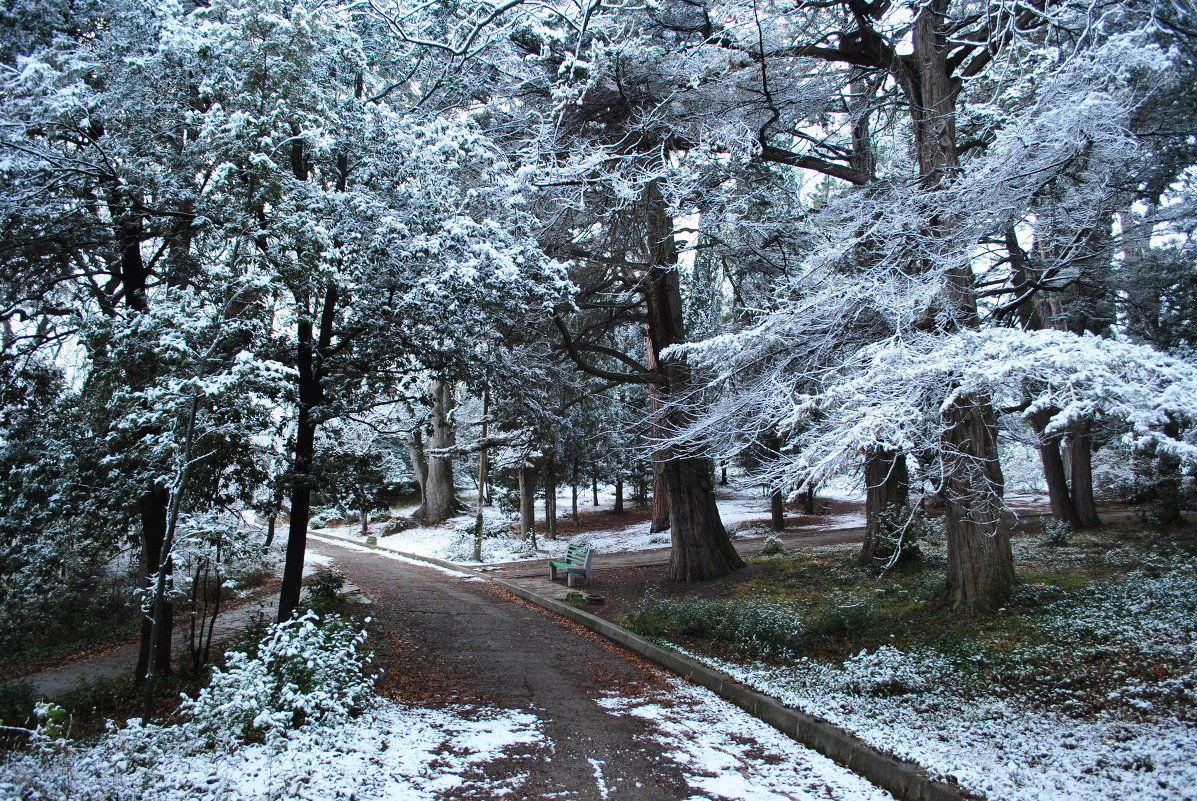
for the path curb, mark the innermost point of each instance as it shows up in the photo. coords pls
(906, 780)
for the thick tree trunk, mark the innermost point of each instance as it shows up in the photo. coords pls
(618, 495)
(777, 510)
(660, 518)
(1080, 453)
(440, 496)
(527, 481)
(887, 492)
(419, 468)
(980, 564)
(701, 548)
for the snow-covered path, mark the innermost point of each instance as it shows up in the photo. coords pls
(608, 725)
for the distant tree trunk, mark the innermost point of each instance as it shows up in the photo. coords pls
(550, 498)
(723, 475)
(618, 495)
(440, 496)
(594, 488)
(980, 563)
(527, 480)
(1054, 473)
(1080, 455)
(573, 485)
(808, 499)
(701, 548)
(419, 468)
(482, 465)
(777, 510)
(887, 486)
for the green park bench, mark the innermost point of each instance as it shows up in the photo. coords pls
(577, 562)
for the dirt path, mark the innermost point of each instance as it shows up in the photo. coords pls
(448, 640)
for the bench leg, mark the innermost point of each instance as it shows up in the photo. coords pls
(569, 578)
(552, 572)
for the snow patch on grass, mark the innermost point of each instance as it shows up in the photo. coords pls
(1049, 742)
(389, 752)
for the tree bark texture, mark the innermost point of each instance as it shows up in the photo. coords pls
(701, 548)
(153, 508)
(550, 499)
(618, 495)
(527, 481)
(311, 397)
(660, 518)
(887, 487)
(980, 564)
(777, 510)
(1080, 453)
(440, 496)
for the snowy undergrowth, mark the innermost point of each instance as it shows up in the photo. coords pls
(389, 752)
(294, 718)
(1101, 707)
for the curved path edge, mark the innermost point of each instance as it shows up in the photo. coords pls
(906, 780)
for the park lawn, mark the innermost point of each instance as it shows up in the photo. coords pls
(1084, 686)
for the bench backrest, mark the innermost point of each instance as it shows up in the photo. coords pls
(578, 555)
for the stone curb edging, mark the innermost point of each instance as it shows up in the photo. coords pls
(906, 780)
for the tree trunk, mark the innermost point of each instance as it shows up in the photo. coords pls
(573, 498)
(723, 475)
(1080, 455)
(527, 479)
(618, 495)
(980, 564)
(419, 468)
(594, 488)
(311, 397)
(808, 499)
(701, 548)
(482, 459)
(440, 496)
(153, 507)
(777, 510)
(660, 518)
(550, 499)
(1054, 474)
(887, 487)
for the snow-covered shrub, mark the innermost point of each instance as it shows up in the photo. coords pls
(1056, 532)
(323, 587)
(890, 671)
(773, 546)
(306, 670)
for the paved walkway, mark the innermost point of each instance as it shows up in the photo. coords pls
(613, 725)
(119, 662)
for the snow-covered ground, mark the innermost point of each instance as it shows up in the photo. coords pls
(388, 753)
(727, 753)
(399, 752)
(1007, 746)
(453, 539)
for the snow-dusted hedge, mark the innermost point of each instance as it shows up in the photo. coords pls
(306, 670)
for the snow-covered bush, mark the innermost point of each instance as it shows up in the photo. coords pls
(886, 671)
(773, 546)
(306, 670)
